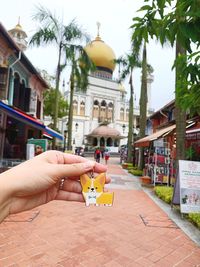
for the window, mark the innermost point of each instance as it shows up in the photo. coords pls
(3, 82)
(103, 110)
(82, 108)
(122, 114)
(96, 109)
(75, 107)
(110, 112)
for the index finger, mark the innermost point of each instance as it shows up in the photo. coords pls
(70, 159)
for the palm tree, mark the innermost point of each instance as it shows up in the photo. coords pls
(129, 62)
(81, 65)
(143, 105)
(53, 32)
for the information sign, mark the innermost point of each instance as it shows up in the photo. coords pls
(189, 176)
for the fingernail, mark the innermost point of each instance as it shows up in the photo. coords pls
(88, 165)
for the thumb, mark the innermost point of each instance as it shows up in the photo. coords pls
(71, 170)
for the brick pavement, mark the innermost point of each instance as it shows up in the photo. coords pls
(134, 232)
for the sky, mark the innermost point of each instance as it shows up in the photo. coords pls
(115, 17)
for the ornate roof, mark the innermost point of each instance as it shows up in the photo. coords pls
(105, 131)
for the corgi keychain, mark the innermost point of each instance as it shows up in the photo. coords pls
(92, 189)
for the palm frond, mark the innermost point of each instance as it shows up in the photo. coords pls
(46, 18)
(42, 37)
(73, 32)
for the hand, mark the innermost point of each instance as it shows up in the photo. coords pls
(48, 176)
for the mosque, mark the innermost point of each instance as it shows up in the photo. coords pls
(100, 115)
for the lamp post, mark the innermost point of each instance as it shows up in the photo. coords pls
(76, 126)
(123, 127)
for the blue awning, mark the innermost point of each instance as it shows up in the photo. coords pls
(27, 119)
(22, 116)
(53, 133)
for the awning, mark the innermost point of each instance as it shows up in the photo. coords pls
(27, 119)
(21, 116)
(45, 134)
(193, 131)
(145, 142)
(53, 133)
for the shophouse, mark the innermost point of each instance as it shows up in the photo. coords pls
(21, 96)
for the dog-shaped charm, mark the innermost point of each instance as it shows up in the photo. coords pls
(92, 189)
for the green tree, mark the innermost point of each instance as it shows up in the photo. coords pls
(175, 22)
(81, 65)
(128, 63)
(53, 32)
(49, 104)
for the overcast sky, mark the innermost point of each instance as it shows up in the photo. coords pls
(115, 17)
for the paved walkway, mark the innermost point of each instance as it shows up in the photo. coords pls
(134, 232)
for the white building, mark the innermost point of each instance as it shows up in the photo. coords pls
(100, 116)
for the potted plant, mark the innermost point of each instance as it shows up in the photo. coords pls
(145, 179)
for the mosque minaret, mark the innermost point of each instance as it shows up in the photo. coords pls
(19, 36)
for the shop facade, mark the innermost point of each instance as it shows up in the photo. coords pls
(160, 144)
(21, 99)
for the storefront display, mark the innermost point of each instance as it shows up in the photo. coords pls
(158, 163)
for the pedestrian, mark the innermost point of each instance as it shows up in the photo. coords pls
(102, 152)
(97, 154)
(107, 156)
(55, 177)
(122, 151)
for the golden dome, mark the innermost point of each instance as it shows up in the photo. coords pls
(101, 54)
(18, 27)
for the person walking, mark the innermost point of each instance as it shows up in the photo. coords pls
(102, 152)
(106, 156)
(97, 154)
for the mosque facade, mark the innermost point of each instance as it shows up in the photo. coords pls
(100, 115)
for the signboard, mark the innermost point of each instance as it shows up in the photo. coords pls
(193, 136)
(30, 151)
(161, 160)
(40, 145)
(158, 143)
(189, 175)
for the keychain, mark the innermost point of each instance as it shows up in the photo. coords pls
(93, 190)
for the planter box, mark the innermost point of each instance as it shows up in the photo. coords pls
(124, 165)
(145, 180)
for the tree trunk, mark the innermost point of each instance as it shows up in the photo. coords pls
(130, 125)
(70, 116)
(180, 114)
(143, 106)
(56, 96)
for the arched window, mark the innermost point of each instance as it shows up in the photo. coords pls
(110, 112)
(127, 114)
(109, 142)
(75, 107)
(103, 110)
(82, 108)
(121, 114)
(96, 109)
(16, 90)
